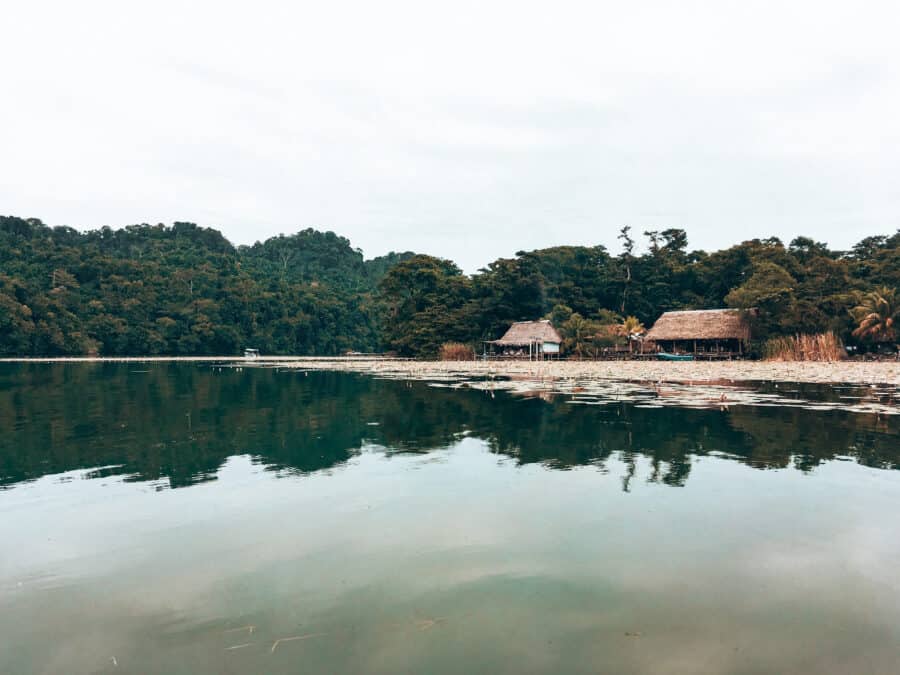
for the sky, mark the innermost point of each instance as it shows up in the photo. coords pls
(467, 130)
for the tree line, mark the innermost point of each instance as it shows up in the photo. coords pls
(594, 297)
(186, 290)
(182, 290)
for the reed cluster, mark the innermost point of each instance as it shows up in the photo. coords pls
(456, 351)
(805, 347)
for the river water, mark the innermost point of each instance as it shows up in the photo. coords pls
(187, 518)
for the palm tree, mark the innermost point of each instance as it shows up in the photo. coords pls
(877, 315)
(578, 333)
(631, 325)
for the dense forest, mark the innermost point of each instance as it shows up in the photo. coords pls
(186, 290)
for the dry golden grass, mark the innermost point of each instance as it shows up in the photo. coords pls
(456, 351)
(820, 347)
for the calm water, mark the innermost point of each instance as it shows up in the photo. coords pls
(187, 519)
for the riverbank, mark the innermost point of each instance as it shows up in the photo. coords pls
(839, 372)
(852, 386)
(846, 372)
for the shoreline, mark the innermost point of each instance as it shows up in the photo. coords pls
(837, 372)
(840, 372)
(859, 387)
(870, 388)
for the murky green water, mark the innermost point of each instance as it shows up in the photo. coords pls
(186, 519)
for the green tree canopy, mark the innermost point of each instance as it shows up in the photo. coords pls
(185, 289)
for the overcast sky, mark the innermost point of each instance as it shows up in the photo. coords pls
(465, 130)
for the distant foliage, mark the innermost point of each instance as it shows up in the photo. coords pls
(184, 289)
(821, 347)
(456, 351)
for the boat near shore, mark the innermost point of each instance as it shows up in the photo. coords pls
(664, 356)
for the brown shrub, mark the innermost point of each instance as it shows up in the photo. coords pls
(456, 351)
(821, 347)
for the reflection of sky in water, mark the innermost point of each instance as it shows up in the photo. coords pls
(455, 561)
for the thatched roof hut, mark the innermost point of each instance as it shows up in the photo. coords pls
(524, 333)
(702, 326)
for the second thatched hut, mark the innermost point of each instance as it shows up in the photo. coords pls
(714, 332)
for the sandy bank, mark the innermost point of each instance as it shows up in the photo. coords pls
(886, 373)
(652, 371)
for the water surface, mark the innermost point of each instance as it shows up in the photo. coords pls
(193, 519)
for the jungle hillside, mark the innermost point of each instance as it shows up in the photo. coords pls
(186, 290)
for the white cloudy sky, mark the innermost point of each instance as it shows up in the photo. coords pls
(468, 130)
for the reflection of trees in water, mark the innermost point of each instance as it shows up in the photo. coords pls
(788, 436)
(181, 422)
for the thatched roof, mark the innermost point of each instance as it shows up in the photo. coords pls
(526, 332)
(702, 324)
